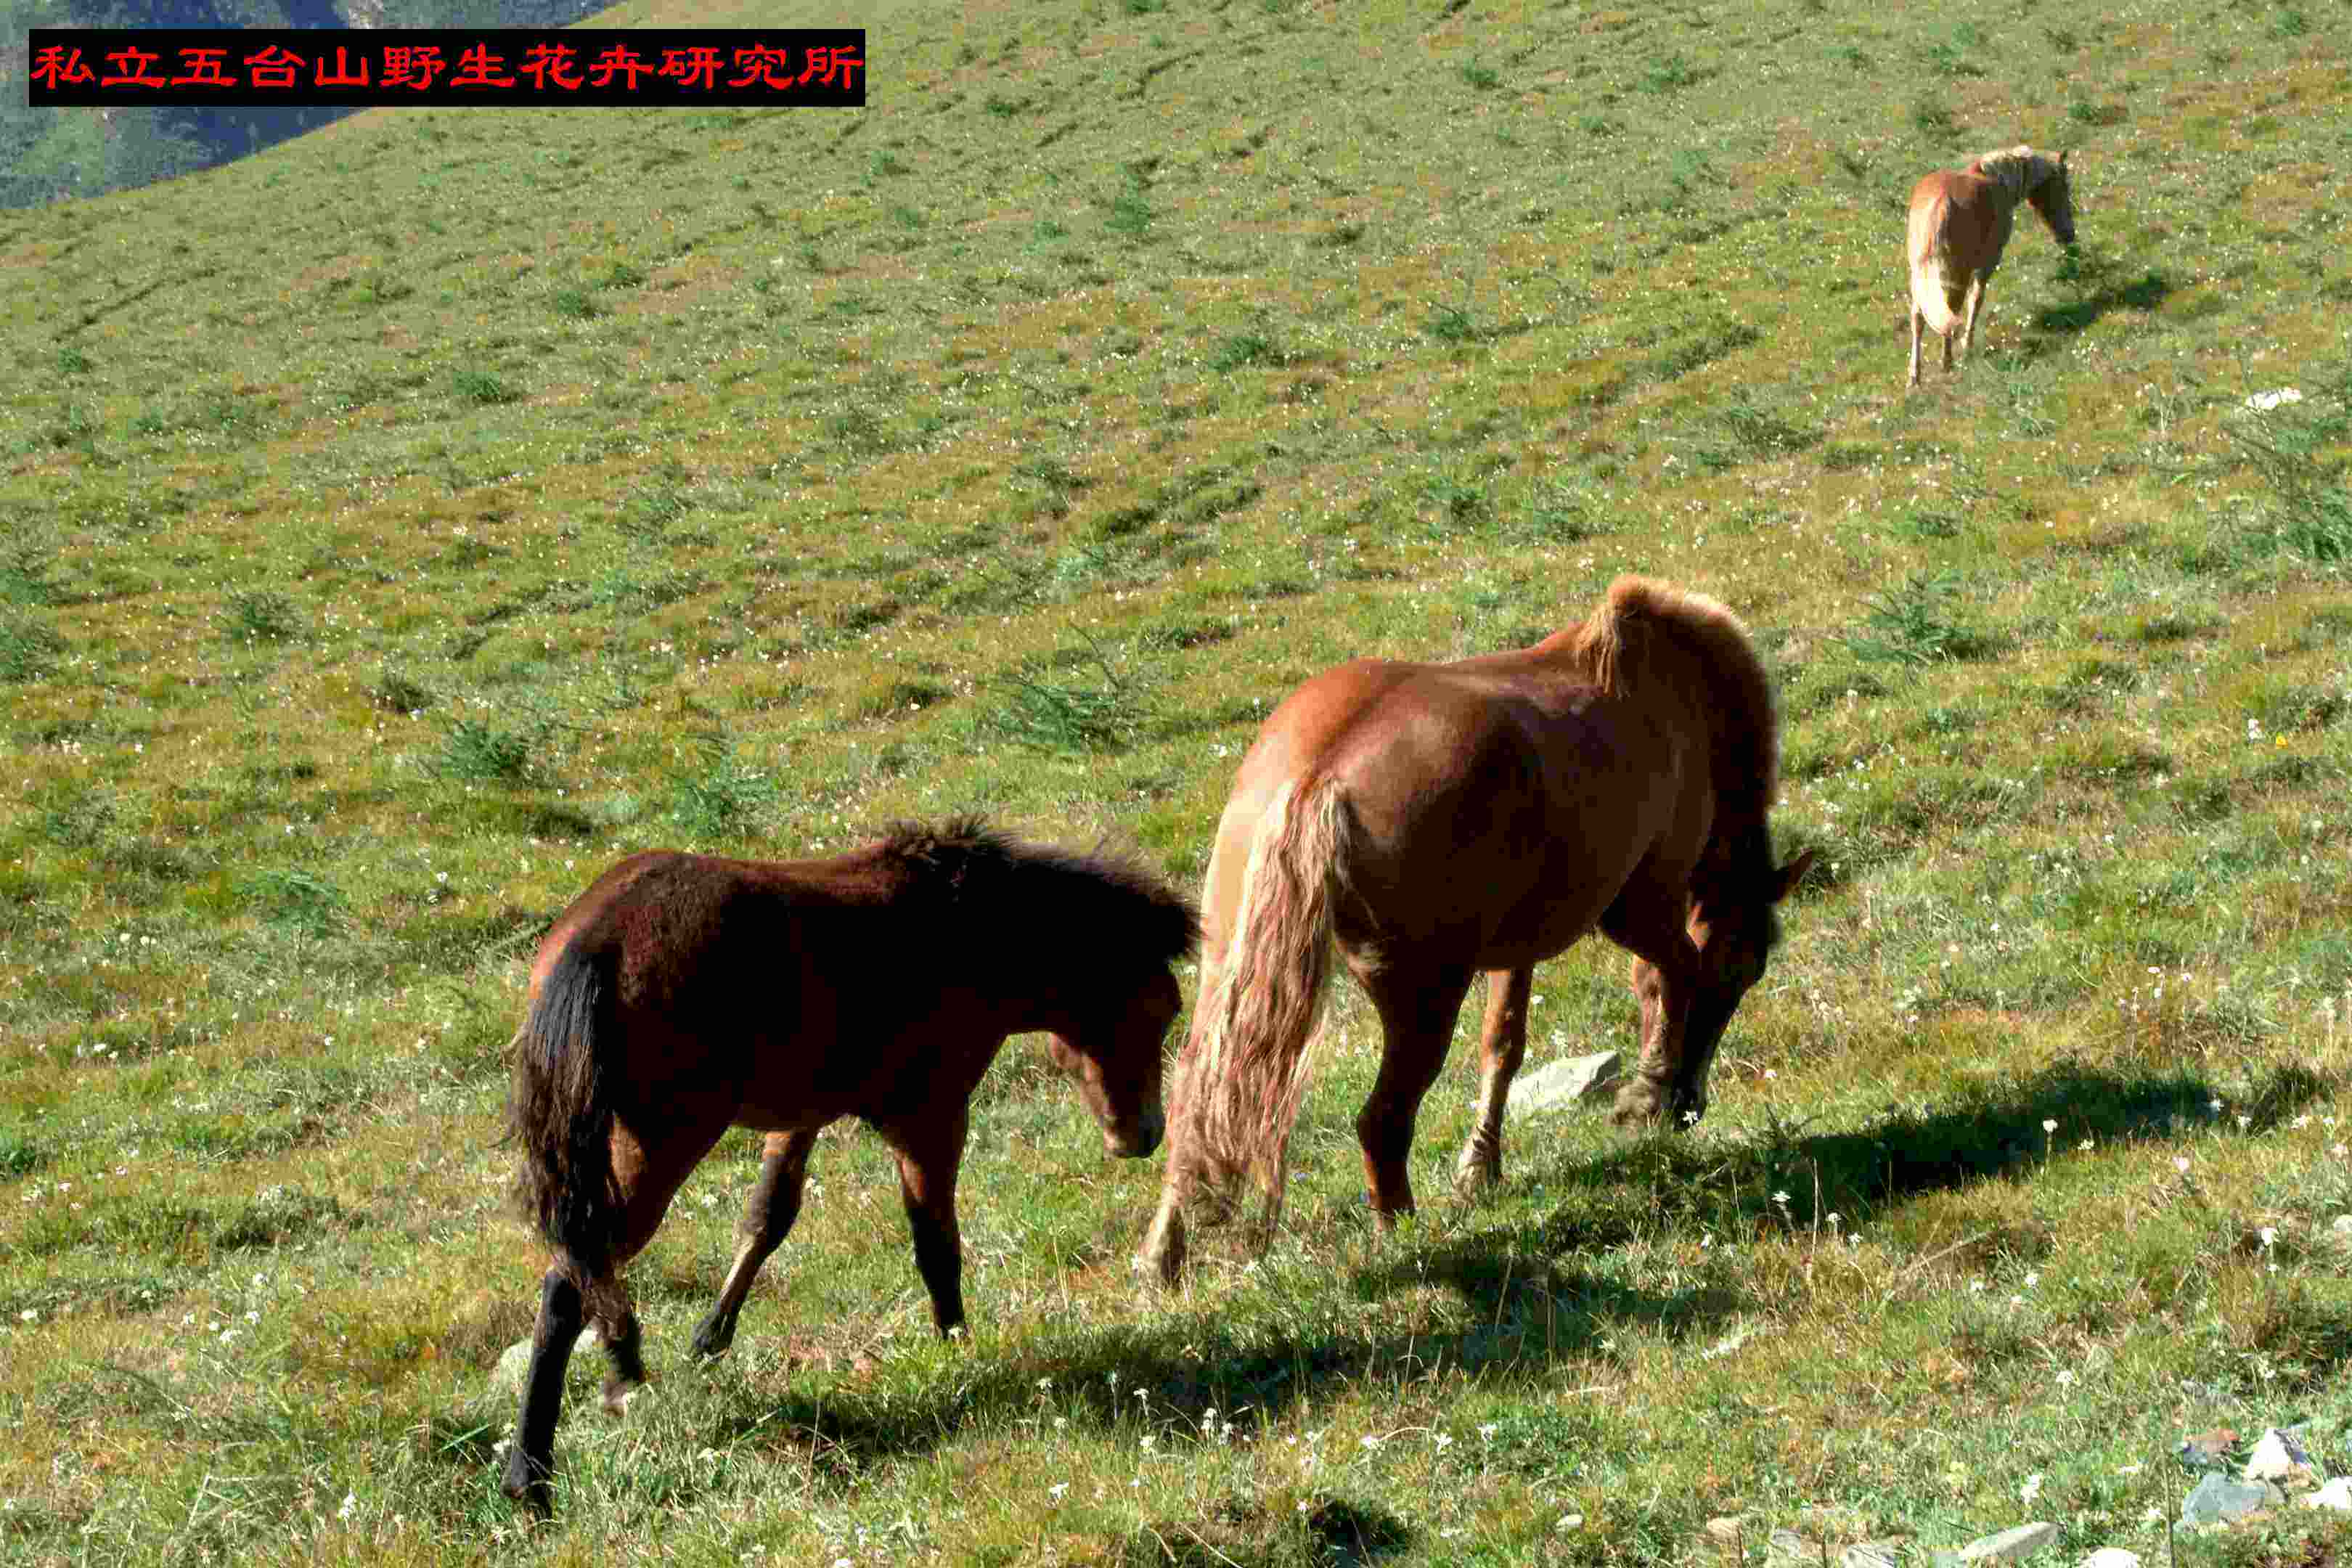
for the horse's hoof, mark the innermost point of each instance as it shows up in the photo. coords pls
(1472, 1178)
(617, 1394)
(529, 1485)
(710, 1341)
(1634, 1115)
(1161, 1257)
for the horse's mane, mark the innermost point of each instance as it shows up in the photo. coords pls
(2018, 169)
(1111, 905)
(1747, 733)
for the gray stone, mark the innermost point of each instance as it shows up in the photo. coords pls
(2010, 1544)
(1872, 1554)
(1564, 1082)
(2217, 1497)
(2111, 1557)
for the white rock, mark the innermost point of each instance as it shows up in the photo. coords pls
(2111, 1557)
(2336, 1494)
(2279, 1457)
(514, 1362)
(1566, 1081)
(2010, 1544)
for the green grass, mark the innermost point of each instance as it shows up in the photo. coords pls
(405, 524)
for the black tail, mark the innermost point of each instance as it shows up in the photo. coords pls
(561, 1113)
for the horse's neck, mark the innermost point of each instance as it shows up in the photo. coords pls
(2012, 181)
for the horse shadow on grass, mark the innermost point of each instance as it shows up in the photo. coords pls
(1530, 1307)
(1680, 1186)
(2146, 293)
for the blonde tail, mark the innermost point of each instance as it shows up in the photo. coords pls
(1929, 249)
(1252, 1044)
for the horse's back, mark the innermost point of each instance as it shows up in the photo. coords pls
(1480, 790)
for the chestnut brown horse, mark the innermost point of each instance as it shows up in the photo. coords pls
(1961, 221)
(1437, 820)
(682, 995)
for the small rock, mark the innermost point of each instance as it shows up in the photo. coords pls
(2277, 1456)
(2336, 1494)
(2111, 1557)
(2010, 1544)
(1566, 1081)
(1872, 1554)
(2207, 1450)
(1725, 1529)
(513, 1366)
(2341, 1225)
(1788, 1546)
(2218, 1498)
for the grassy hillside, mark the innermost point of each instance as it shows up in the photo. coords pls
(397, 527)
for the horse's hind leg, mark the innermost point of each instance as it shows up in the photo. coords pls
(648, 1177)
(531, 1459)
(1501, 1049)
(1969, 334)
(1417, 1010)
(767, 1220)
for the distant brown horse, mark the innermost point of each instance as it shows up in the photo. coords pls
(1435, 820)
(1960, 220)
(682, 995)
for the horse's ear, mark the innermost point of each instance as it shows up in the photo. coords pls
(1788, 878)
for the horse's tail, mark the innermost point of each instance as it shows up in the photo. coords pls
(560, 1111)
(1251, 1057)
(1929, 246)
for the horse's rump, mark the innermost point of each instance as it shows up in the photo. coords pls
(1936, 290)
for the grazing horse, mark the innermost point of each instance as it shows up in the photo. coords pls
(682, 995)
(1960, 220)
(1433, 821)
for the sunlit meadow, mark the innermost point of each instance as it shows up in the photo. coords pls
(397, 527)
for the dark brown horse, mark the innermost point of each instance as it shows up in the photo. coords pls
(682, 995)
(1437, 820)
(1959, 222)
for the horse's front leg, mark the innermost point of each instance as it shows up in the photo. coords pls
(1502, 1046)
(929, 1153)
(1663, 1086)
(767, 1219)
(531, 1458)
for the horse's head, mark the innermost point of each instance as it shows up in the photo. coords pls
(1734, 925)
(1734, 922)
(2054, 198)
(1112, 1046)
